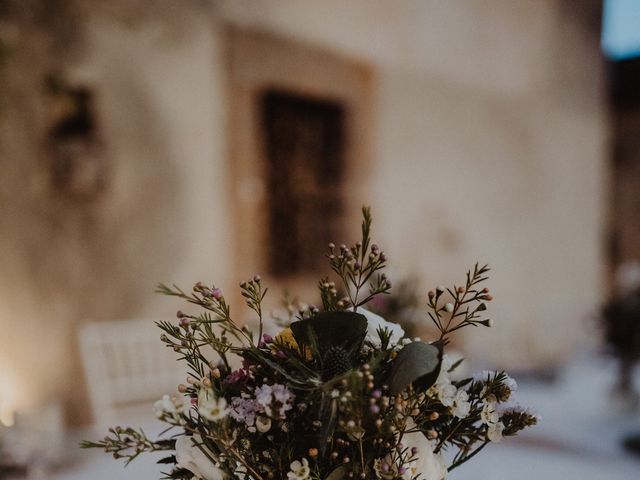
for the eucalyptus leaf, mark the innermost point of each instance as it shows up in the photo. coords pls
(338, 474)
(417, 364)
(329, 415)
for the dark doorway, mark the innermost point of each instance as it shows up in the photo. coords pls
(304, 141)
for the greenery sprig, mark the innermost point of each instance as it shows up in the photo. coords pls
(128, 444)
(357, 266)
(463, 306)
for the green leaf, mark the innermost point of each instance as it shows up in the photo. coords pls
(327, 329)
(171, 459)
(418, 363)
(305, 382)
(338, 474)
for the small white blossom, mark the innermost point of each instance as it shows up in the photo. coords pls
(263, 424)
(510, 383)
(172, 407)
(299, 470)
(494, 432)
(446, 393)
(489, 414)
(461, 405)
(211, 408)
(241, 472)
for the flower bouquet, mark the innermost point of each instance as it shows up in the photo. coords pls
(338, 394)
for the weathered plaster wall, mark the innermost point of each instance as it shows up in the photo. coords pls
(489, 133)
(489, 145)
(162, 216)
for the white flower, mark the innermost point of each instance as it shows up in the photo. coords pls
(446, 393)
(241, 472)
(190, 455)
(494, 432)
(461, 405)
(445, 366)
(263, 424)
(510, 383)
(489, 415)
(430, 465)
(211, 408)
(299, 470)
(167, 406)
(375, 322)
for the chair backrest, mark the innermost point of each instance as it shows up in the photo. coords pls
(126, 365)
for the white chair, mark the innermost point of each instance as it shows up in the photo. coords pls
(127, 368)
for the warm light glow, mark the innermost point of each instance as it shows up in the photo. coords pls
(7, 416)
(7, 401)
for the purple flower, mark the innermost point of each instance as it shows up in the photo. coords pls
(274, 400)
(243, 410)
(238, 376)
(266, 339)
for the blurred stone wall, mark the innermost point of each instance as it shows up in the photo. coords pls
(161, 215)
(488, 144)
